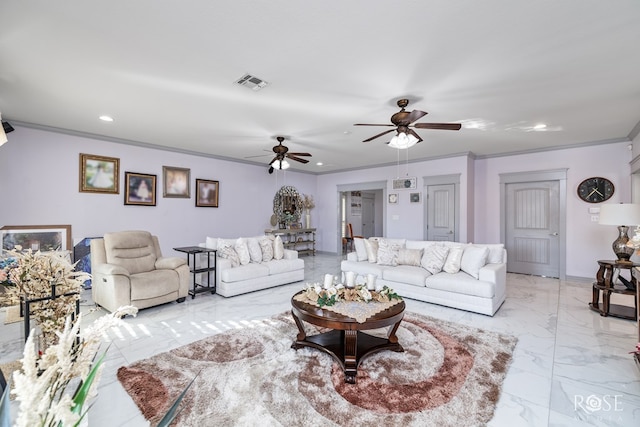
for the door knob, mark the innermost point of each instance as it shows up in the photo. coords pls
(553, 234)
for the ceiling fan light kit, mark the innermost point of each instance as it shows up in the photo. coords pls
(282, 153)
(402, 141)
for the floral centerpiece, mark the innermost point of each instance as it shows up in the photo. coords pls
(39, 276)
(328, 296)
(308, 204)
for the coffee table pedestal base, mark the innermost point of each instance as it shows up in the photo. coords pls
(347, 347)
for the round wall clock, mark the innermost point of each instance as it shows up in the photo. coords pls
(595, 189)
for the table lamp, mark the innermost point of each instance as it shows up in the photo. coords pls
(619, 214)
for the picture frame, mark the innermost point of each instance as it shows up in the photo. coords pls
(207, 193)
(295, 226)
(99, 174)
(43, 238)
(140, 189)
(393, 198)
(414, 197)
(176, 182)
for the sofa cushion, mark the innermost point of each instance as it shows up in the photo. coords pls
(434, 258)
(461, 283)
(228, 252)
(408, 274)
(266, 246)
(243, 251)
(388, 251)
(278, 266)
(371, 245)
(454, 258)
(133, 250)
(278, 248)
(244, 272)
(410, 257)
(211, 242)
(362, 267)
(255, 253)
(361, 249)
(496, 253)
(153, 284)
(473, 259)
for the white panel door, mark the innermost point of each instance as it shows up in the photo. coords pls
(441, 212)
(368, 215)
(532, 225)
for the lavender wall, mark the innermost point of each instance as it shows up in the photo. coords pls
(39, 177)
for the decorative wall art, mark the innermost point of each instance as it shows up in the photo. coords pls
(356, 203)
(99, 174)
(408, 183)
(207, 193)
(393, 198)
(176, 182)
(140, 189)
(43, 238)
(414, 197)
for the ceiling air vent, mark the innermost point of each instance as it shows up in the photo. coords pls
(251, 82)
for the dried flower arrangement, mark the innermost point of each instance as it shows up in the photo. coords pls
(330, 295)
(307, 202)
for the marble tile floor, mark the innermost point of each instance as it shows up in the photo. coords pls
(571, 366)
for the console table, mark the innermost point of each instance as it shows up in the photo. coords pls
(195, 270)
(302, 240)
(607, 282)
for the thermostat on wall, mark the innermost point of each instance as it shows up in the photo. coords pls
(405, 183)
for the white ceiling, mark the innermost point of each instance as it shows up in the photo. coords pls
(165, 71)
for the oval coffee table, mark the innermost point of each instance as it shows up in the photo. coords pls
(345, 342)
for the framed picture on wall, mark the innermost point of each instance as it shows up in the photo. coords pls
(207, 193)
(414, 197)
(43, 238)
(99, 174)
(393, 198)
(140, 189)
(176, 182)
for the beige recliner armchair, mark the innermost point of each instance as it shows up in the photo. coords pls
(128, 269)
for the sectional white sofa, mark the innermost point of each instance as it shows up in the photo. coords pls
(470, 277)
(248, 264)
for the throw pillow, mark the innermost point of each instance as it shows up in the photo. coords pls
(454, 258)
(434, 258)
(278, 248)
(473, 259)
(266, 246)
(410, 257)
(253, 244)
(229, 253)
(388, 251)
(361, 250)
(243, 251)
(496, 252)
(371, 245)
(211, 242)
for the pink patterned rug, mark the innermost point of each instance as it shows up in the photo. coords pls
(449, 374)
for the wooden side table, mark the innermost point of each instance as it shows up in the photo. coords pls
(607, 283)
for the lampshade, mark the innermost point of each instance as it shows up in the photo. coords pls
(620, 214)
(281, 164)
(403, 141)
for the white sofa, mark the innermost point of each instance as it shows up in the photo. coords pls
(261, 263)
(470, 277)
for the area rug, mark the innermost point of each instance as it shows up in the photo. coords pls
(12, 315)
(449, 374)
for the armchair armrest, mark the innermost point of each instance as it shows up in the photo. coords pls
(110, 269)
(169, 263)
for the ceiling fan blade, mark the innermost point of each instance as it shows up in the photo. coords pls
(299, 154)
(412, 132)
(378, 135)
(369, 124)
(297, 159)
(415, 115)
(272, 161)
(442, 126)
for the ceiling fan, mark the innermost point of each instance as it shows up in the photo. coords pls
(402, 121)
(282, 152)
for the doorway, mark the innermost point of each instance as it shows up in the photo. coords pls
(361, 206)
(533, 206)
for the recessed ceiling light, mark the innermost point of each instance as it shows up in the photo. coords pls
(540, 126)
(319, 164)
(106, 118)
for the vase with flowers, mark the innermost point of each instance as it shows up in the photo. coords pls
(308, 204)
(48, 284)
